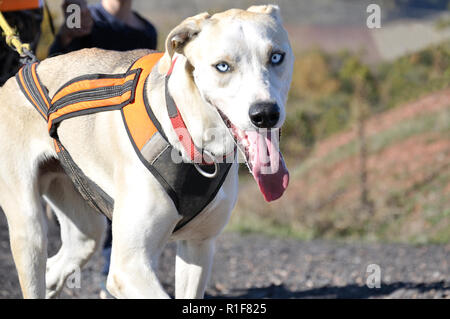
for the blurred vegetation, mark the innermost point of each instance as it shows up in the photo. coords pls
(443, 23)
(320, 101)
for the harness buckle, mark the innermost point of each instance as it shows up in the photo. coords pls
(204, 173)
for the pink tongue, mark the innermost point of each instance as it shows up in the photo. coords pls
(267, 164)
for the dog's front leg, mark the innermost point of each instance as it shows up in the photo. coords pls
(193, 266)
(143, 220)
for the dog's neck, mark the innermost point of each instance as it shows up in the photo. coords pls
(200, 118)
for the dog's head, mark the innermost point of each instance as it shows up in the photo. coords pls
(241, 63)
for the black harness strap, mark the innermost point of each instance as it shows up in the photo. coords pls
(37, 94)
(31, 86)
(193, 191)
(90, 191)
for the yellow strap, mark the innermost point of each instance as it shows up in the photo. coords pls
(12, 38)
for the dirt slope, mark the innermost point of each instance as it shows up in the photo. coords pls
(256, 266)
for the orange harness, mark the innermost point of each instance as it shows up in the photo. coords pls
(88, 94)
(16, 5)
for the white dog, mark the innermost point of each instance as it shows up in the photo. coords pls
(232, 75)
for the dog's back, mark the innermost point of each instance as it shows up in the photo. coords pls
(22, 129)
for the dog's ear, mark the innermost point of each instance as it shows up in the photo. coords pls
(179, 37)
(270, 9)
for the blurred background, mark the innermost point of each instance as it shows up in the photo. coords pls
(367, 135)
(367, 144)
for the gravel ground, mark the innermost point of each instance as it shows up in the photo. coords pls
(255, 266)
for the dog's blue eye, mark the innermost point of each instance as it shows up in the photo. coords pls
(222, 67)
(276, 58)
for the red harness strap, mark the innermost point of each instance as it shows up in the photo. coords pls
(180, 128)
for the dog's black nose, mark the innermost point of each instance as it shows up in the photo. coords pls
(264, 114)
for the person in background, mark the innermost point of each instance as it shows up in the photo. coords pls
(110, 25)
